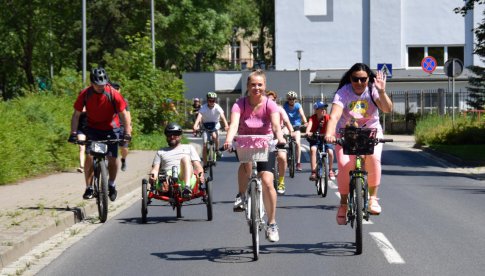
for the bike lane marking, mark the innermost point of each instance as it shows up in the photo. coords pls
(391, 254)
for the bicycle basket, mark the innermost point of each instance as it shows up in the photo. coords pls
(358, 141)
(252, 148)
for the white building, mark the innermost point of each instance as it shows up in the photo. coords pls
(335, 34)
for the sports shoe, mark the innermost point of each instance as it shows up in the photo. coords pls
(374, 207)
(298, 167)
(331, 175)
(313, 176)
(272, 234)
(123, 165)
(219, 154)
(80, 170)
(281, 188)
(88, 193)
(238, 204)
(187, 193)
(112, 192)
(342, 214)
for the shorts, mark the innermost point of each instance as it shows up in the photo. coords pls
(266, 166)
(96, 134)
(314, 143)
(181, 182)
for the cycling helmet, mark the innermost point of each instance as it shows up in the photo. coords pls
(291, 95)
(174, 129)
(319, 105)
(211, 95)
(98, 76)
(196, 100)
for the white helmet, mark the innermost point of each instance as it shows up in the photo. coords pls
(291, 95)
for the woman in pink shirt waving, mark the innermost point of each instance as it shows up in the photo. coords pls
(360, 95)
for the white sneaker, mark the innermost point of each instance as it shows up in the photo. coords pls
(238, 204)
(272, 234)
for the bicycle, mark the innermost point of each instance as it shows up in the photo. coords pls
(290, 157)
(167, 189)
(322, 170)
(99, 150)
(358, 142)
(209, 147)
(254, 148)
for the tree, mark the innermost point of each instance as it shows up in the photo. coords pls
(477, 81)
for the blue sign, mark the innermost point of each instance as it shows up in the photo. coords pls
(429, 64)
(386, 68)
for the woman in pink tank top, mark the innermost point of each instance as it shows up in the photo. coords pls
(255, 114)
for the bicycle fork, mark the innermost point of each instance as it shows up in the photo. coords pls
(249, 197)
(354, 175)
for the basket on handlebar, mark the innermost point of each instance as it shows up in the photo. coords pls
(252, 148)
(358, 141)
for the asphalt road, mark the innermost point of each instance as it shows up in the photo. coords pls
(432, 224)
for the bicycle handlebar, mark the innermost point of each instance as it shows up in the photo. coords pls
(106, 141)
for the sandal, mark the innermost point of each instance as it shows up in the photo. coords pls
(342, 214)
(313, 176)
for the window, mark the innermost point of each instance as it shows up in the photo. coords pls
(440, 53)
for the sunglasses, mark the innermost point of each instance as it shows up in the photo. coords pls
(291, 99)
(357, 79)
(211, 101)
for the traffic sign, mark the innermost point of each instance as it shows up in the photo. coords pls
(429, 64)
(386, 68)
(453, 67)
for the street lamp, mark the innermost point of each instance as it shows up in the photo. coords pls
(298, 54)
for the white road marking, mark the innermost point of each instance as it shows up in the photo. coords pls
(386, 248)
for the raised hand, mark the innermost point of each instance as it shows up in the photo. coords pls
(380, 81)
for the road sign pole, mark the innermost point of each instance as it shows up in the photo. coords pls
(453, 92)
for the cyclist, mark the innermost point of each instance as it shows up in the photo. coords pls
(255, 114)
(183, 156)
(318, 121)
(297, 117)
(102, 103)
(210, 114)
(287, 128)
(125, 144)
(195, 108)
(360, 95)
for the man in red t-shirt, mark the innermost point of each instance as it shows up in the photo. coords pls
(103, 104)
(319, 120)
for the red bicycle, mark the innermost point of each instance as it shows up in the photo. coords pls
(173, 193)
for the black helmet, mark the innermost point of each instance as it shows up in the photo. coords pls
(99, 76)
(174, 129)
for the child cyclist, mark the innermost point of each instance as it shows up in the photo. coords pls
(209, 115)
(318, 121)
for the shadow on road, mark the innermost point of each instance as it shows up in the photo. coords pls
(245, 254)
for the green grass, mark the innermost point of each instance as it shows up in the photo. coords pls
(469, 153)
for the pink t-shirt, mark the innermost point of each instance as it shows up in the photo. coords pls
(254, 122)
(359, 107)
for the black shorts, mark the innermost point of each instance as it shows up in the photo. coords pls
(96, 134)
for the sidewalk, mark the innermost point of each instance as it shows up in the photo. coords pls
(34, 210)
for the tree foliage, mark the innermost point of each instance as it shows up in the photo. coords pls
(477, 81)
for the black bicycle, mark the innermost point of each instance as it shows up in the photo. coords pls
(210, 148)
(322, 170)
(99, 149)
(358, 142)
(290, 156)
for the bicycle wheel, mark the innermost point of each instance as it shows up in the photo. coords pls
(144, 201)
(291, 159)
(276, 174)
(208, 197)
(358, 214)
(325, 176)
(318, 181)
(210, 158)
(102, 191)
(255, 220)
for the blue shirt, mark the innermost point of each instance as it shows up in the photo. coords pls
(293, 114)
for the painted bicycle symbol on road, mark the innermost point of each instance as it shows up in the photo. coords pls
(429, 64)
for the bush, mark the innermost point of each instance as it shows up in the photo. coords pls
(435, 129)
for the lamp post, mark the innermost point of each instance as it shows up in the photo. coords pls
(298, 54)
(84, 40)
(152, 8)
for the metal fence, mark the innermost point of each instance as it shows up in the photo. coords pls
(407, 106)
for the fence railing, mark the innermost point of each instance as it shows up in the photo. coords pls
(407, 106)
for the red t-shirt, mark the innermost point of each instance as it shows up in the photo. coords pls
(100, 109)
(316, 123)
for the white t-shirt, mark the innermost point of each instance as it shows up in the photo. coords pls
(169, 157)
(211, 115)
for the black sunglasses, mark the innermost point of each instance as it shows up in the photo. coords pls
(357, 79)
(291, 99)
